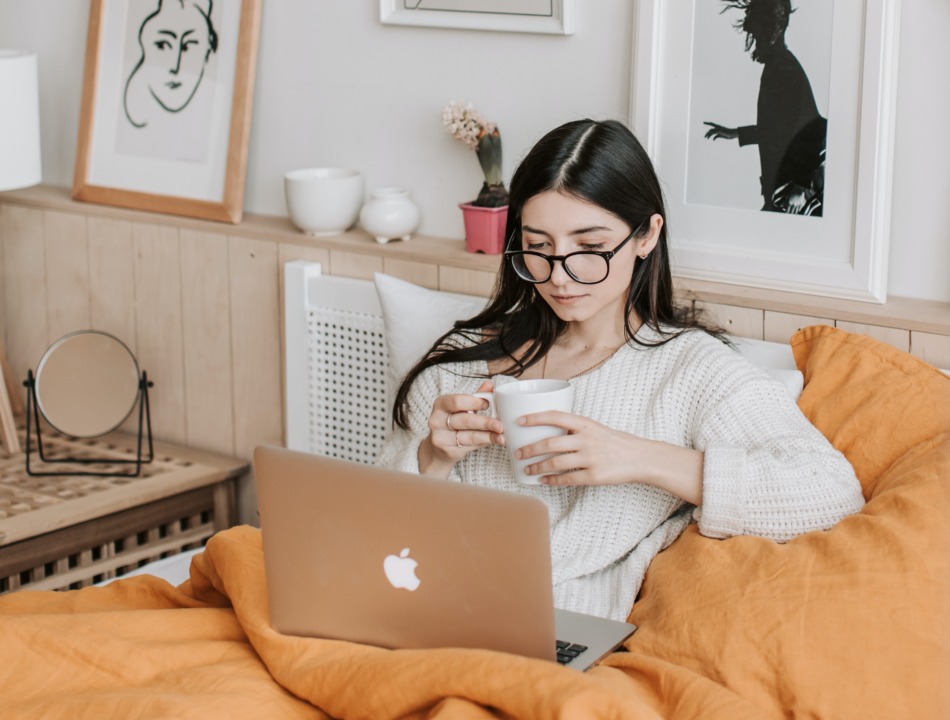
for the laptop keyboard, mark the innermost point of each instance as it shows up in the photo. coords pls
(568, 651)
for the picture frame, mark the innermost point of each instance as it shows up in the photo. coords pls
(166, 106)
(554, 17)
(843, 251)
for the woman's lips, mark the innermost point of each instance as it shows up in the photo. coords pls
(566, 299)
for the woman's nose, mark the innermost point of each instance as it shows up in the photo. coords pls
(559, 275)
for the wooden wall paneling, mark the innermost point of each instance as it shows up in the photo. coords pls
(465, 281)
(355, 265)
(892, 336)
(424, 274)
(158, 326)
(779, 327)
(737, 321)
(255, 344)
(206, 337)
(112, 278)
(935, 349)
(112, 285)
(24, 290)
(11, 384)
(67, 273)
(256, 358)
(8, 435)
(3, 284)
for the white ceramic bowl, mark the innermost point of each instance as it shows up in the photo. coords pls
(324, 201)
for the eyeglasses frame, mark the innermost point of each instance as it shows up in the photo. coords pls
(607, 255)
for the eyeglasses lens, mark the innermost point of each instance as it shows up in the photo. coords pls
(583, 267)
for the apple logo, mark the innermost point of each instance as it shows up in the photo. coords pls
(401, 570)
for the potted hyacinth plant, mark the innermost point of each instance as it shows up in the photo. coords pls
(484, 217)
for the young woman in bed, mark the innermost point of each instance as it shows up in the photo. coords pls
(669, 423)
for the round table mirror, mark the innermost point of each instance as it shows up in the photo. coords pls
(87, 384)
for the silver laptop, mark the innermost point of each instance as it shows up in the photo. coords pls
(359, 553)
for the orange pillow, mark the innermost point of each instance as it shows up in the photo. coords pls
(871, 400)
(849, 622)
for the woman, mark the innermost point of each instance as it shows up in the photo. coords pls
(669, 422)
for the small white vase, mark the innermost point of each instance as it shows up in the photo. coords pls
(390, 214)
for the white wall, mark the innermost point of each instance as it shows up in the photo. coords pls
(335, 87)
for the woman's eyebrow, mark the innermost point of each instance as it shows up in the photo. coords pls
(592, 228)
(579, 231)
(534, 231)
(169, 33)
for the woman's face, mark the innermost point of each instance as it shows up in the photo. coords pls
(176, 47)
(557, 224)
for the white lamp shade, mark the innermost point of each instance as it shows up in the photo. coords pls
(20, 164)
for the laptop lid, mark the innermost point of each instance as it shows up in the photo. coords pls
(360, 553)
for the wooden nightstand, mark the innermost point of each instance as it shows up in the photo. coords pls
(72, 531)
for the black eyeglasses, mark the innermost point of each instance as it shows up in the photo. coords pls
(587, 267)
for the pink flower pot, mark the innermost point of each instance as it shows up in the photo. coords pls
(484, 228)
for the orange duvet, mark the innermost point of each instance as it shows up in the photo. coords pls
(852, 622)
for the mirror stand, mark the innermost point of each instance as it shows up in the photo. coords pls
(145, 426)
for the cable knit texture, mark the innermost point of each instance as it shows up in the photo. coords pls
(767, 470)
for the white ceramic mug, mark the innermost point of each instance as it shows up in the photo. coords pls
(524, 397)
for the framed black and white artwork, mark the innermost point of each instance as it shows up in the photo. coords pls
(771, 126)
(534, 16)
(166, 106)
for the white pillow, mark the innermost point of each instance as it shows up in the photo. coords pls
(415, 317)
(776, 359)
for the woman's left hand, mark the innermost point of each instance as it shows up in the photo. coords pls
(590, 453)
(594, 454)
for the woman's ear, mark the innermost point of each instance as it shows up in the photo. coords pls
(646, 244)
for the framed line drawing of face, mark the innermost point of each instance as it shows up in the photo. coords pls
(166, 105)
(176, 42)
(771, 126)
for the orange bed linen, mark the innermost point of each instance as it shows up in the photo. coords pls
(141, 648)
(852, 622)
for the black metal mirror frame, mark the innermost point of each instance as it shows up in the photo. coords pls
(144, 437)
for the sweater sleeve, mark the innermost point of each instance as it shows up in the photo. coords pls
(400, 450)
(767, 470)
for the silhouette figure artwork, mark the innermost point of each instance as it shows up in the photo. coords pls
(168, 95)
(789, 130)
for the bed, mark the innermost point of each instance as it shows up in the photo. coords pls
(851, 622)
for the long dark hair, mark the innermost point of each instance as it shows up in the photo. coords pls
(600, 162)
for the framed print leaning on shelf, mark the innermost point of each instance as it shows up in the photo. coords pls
(554, 17)
(771, 127)
(166, 105)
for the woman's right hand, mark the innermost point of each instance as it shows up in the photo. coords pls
(455, 429)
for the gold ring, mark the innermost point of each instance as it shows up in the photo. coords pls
(448, 422)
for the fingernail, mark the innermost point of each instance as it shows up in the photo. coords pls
(518, 454)
(522, 421)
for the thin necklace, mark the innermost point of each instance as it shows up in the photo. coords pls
(544, 364)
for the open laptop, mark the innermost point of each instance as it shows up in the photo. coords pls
(360, 553)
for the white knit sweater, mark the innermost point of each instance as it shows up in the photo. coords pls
(767, 470)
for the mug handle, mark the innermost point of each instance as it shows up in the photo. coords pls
(490, 397)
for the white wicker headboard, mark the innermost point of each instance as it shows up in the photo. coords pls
(336, 366)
